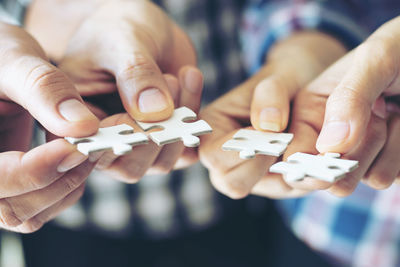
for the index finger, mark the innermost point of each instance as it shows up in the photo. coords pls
(24, 172)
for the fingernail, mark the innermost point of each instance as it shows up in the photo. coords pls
(71, 161)
(333, 133)
(74, 110)
(193, 81)
(152, 100)
(270, 119)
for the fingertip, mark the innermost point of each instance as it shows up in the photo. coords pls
(333, 136)
(270, 106)
(191, 79)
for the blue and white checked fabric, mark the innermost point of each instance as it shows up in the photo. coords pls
(360, 230)
(364, 228)
(268, 21)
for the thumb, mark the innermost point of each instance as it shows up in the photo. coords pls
(142, 87)
(270, 105)
(348, 109)
(48, 95)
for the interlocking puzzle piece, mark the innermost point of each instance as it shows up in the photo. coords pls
(328, 167)
(176, 129)
(252, 142)
(119, 138)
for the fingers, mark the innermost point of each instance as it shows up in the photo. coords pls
(191, 80)
(135, 61)
(38, 168)
(48, 95)
(239, 181)
(16, 210)
(142, 87)
(132, 167)
(273, 186)
(307, 117)
(365, 153)
(387, 165)
(374, 67)
(158, 160)
(294, 62)
(270, 105)
(35, 223)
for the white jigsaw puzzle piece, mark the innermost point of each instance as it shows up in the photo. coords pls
(176, 129)
(252, 142)
(119, 138)
(328, 167)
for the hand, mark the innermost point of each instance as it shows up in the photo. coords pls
(150, 158)
(132, 47)
(127, 46)
(264, 100)
(356, 123)
(37, 185)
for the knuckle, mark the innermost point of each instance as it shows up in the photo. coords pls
(383, 51)
(35, 182)
(73, 182)
(138, 66)
(8, 217)
(42, 77)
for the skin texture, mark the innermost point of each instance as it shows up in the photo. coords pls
(279, 80)
(360, 89)
(113, 53)
(37, 185)
(117, 46)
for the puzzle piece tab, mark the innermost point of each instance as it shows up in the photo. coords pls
(328, 167)
(119, 138)
(176, 129)
(252, 142)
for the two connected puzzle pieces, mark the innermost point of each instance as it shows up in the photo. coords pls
(121, 138)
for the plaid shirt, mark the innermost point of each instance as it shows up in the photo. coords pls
(364, 228)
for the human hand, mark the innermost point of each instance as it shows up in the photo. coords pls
(150, 158)
(134, 49)
(37, 185)
(127, 46)
(264, 100)
(356, 123)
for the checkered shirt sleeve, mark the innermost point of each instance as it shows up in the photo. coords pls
(360, 230)
(267, 22)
